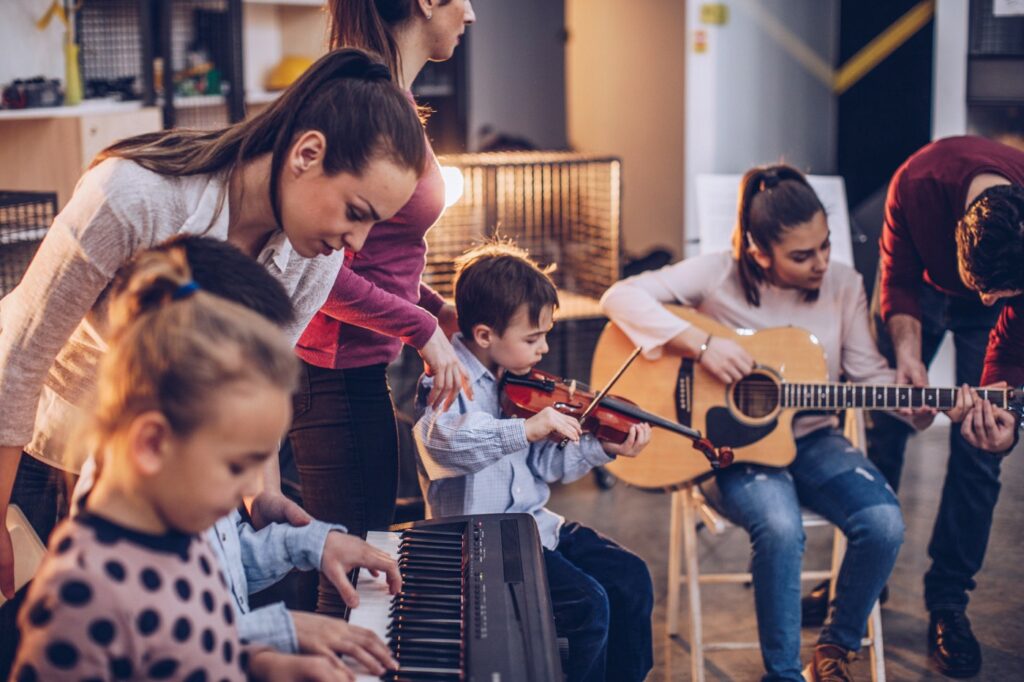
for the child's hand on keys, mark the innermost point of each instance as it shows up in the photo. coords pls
(638, 438)
(549, 422)
(344, 552)
(268, 665)
(331, 637)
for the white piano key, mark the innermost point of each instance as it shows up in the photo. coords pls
(374, 600)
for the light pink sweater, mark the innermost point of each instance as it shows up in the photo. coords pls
(710, 283)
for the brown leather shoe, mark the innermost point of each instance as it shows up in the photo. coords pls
(831, 664)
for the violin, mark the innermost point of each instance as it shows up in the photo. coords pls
(527, 394)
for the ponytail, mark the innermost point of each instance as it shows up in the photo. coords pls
(771, 199)
(370, 25)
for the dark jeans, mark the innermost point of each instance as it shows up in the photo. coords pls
(345, 444)
(43, 493)
(971, 489)
(834, 479)
(602, 597)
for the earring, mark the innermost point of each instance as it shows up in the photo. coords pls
(430, 16)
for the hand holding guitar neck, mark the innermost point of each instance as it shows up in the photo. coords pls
(983, 425)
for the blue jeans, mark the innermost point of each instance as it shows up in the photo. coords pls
(43, 494)
(602, 597)
(834, 479)
(971, 489)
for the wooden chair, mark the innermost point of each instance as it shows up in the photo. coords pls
(688, 507)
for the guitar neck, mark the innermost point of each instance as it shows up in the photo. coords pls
(879, 397)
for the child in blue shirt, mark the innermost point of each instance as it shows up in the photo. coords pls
(474, 459)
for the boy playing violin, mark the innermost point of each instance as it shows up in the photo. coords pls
(475, 459)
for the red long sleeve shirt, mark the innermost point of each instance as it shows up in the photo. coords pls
(927, 197)
(378, 301)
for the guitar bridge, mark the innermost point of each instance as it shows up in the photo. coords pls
(684, 393)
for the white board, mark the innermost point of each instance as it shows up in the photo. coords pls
(716, 212)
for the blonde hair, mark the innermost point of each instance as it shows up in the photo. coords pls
(174, 349)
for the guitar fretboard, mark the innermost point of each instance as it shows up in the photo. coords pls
(880, 397)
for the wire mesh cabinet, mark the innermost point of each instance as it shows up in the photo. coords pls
(117, 48)
(197, 39)
(564, 208)
(24, 220)
(185, 55)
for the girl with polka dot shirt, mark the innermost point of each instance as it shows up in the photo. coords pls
(193, 396)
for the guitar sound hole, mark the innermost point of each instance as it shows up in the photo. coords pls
(756, 396)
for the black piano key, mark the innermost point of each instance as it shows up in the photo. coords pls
(409, 625)
(418, 670)
(422, 539)
(414, 656)
(425, 629)
(415, 618)
(420, 595)
(424, 578)
(440, 555)
(430, 565)
(439, 601)
(417, 594)
(430, 641)
(424, 613)
(424, 533)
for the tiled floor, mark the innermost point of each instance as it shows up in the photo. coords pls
(640, 521)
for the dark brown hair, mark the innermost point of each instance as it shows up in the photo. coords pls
(221, 269)
(771, 200)
(492, 281)
(175, 350)
(990, 241)
(370, 25)
(347, 95)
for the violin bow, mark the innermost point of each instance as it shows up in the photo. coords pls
(604, 391)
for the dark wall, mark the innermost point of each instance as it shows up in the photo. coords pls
(883, 118)
(886, 115)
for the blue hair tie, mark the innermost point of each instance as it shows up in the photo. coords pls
(185, 290)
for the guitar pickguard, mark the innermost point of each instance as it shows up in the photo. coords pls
(722, 429)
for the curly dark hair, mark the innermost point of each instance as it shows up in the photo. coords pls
(990, 241)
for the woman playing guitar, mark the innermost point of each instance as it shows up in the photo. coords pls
(778, 273)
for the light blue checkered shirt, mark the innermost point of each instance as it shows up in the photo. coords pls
(256, 559)
(475, 460)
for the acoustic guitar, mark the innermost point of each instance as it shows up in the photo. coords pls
(752, 416)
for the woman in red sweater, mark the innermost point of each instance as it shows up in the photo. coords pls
(343, 436)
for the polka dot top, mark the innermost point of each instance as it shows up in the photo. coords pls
(111, 603)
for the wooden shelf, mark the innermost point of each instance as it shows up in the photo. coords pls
(296, 3)
(262, 96)
(88, 107)
(23, 235)
(181, 101)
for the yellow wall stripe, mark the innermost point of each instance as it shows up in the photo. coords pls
(887, 42)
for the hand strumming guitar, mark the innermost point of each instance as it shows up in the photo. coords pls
(724, 358)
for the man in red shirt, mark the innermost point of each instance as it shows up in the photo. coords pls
(952, 259)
